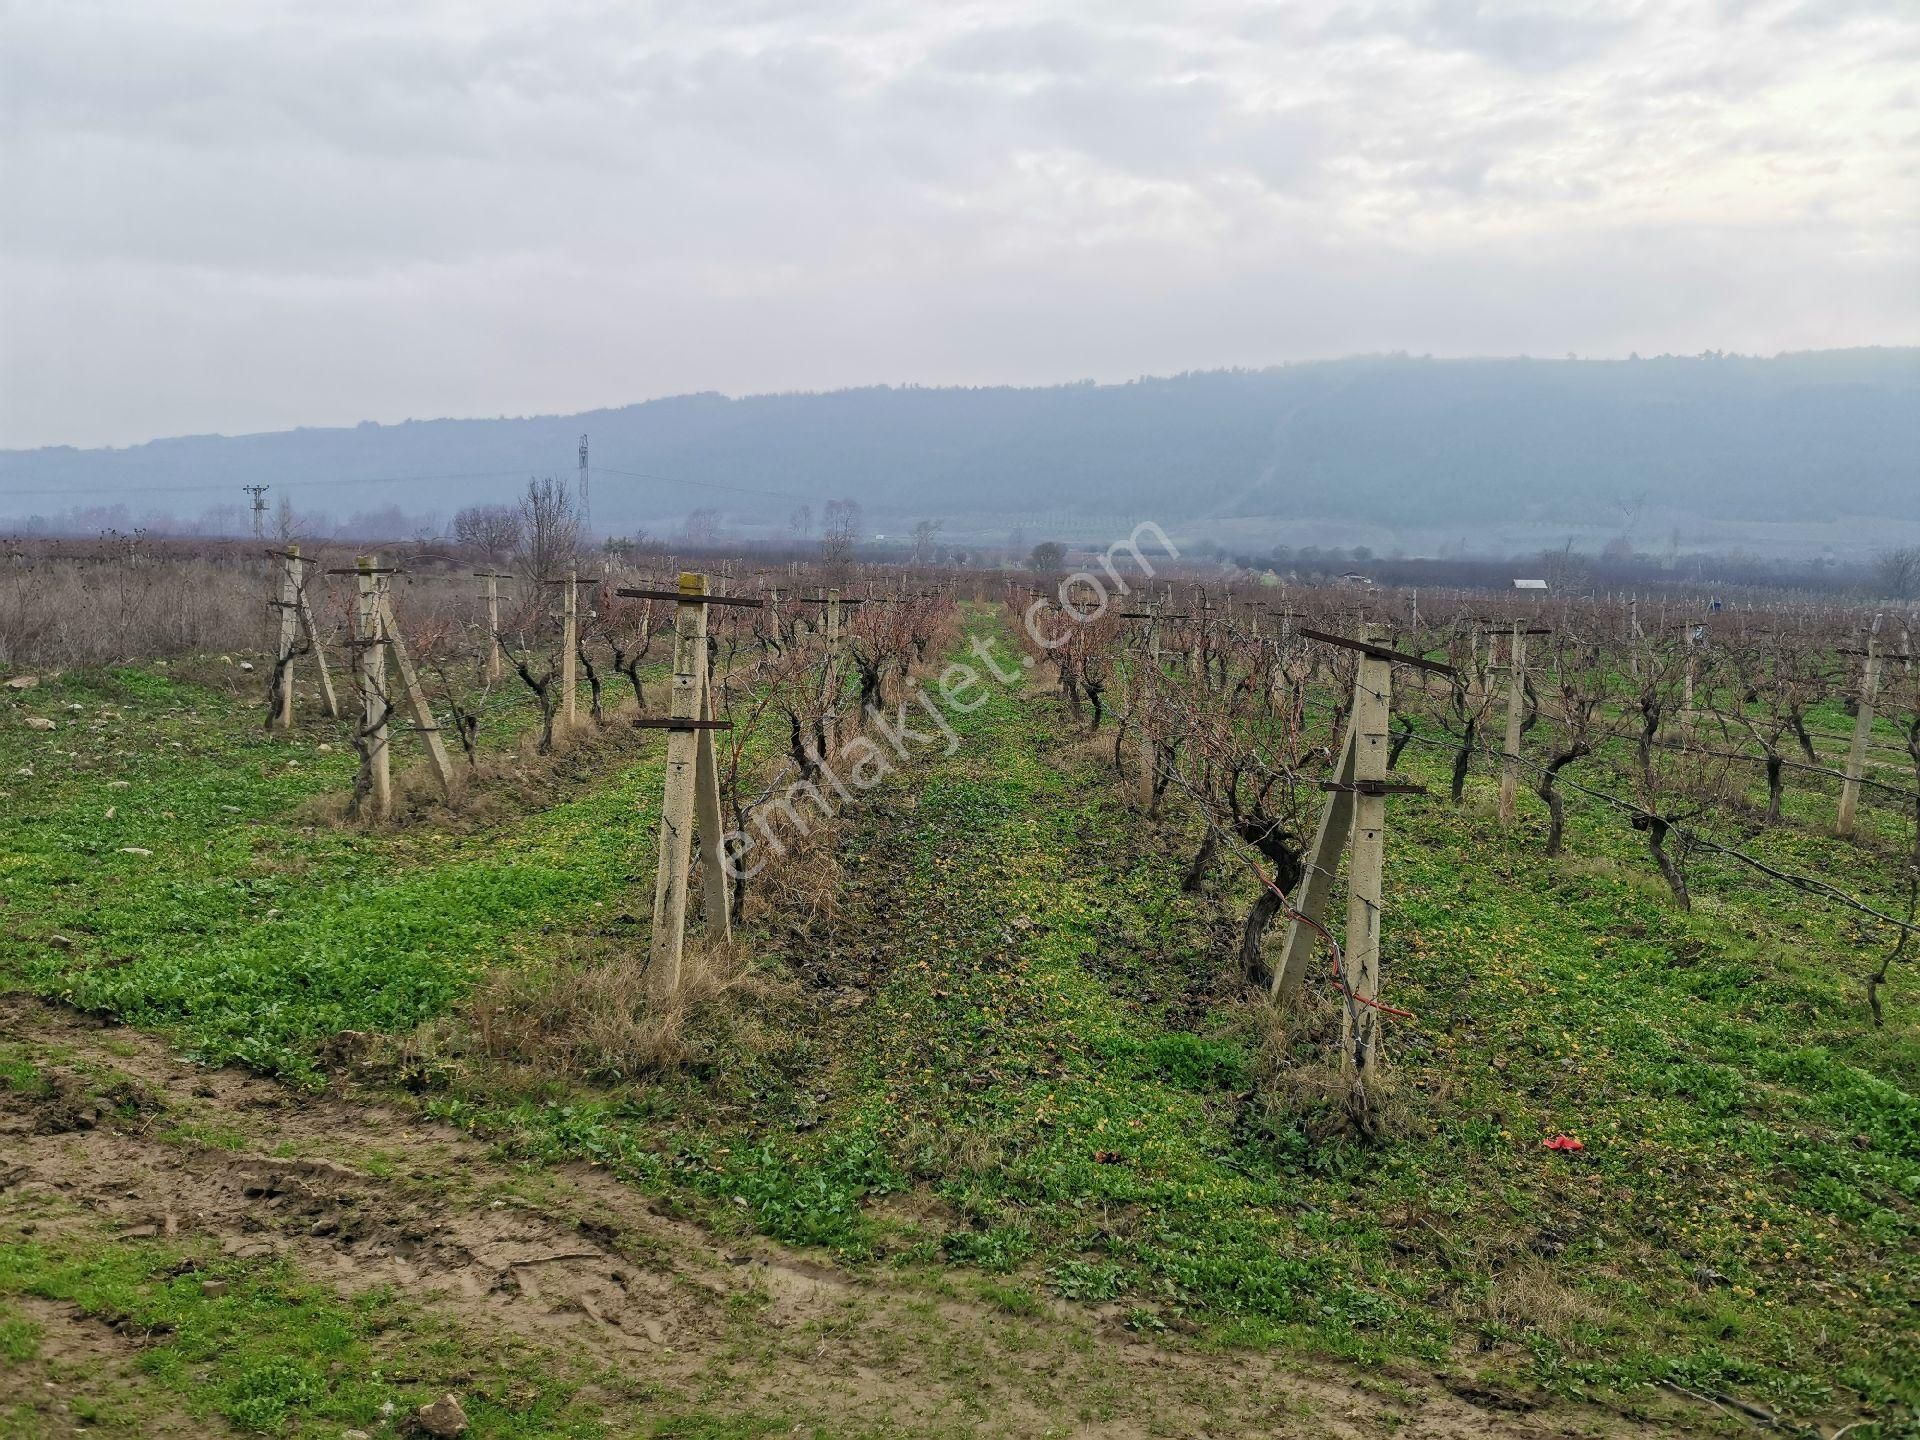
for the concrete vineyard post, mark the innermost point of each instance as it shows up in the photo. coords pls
(375, 762)
(1516, 708)
(1322, 861)
(1360, 1022)
(569, 644)
(289, 628)
(830, 682)
(706, 797)
(1686, 690)
(328, 700)
(689, 703)
(417, 706)
(495, 660)
(1862, 735)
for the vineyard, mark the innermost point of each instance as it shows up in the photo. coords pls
(620, 995)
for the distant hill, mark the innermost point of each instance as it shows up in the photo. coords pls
(1797, 452)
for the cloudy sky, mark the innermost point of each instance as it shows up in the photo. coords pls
(233, 217)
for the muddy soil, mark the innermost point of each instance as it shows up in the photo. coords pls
(352, 1190)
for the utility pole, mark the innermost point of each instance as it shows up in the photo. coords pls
(259, 494)
(586, 498)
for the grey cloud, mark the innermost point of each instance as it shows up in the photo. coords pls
(235, 217)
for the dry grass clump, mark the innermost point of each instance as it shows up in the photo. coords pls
(1527, 1295)
(593, 1018)
(801, 886)
(1300, 1083)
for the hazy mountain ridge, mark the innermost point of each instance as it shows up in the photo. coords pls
(1388, 444)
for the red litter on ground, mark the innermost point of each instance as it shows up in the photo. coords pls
(1562, 1142)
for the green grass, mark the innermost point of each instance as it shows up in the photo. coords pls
(249, 932)
(1049, 1062)
(273, 1354)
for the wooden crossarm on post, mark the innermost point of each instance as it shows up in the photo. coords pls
(1378, 652)
(1374, 787)
(680, 599)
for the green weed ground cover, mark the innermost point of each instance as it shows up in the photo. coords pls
(1047, 1078)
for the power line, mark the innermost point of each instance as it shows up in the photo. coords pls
(137, 491)
(709, 485)
(141, 491)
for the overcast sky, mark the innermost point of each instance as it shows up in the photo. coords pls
(250, 216)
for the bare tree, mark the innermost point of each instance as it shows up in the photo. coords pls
(839, 533)
(1897, 572)
(494, 530)
(550, 529)
(926, 533)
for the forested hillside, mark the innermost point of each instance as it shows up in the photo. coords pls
(1717, 444)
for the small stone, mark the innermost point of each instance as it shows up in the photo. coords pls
(246, 665)
(443, 1417)
(135, 850)
(39, 722)
(112, 810)
(355, 1435)
(60, 942)
(23, 682)
(119, 784)
(213, 1289)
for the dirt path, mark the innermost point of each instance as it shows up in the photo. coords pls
(360, 1194)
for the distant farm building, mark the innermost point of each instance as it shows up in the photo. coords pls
(1529, 584)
